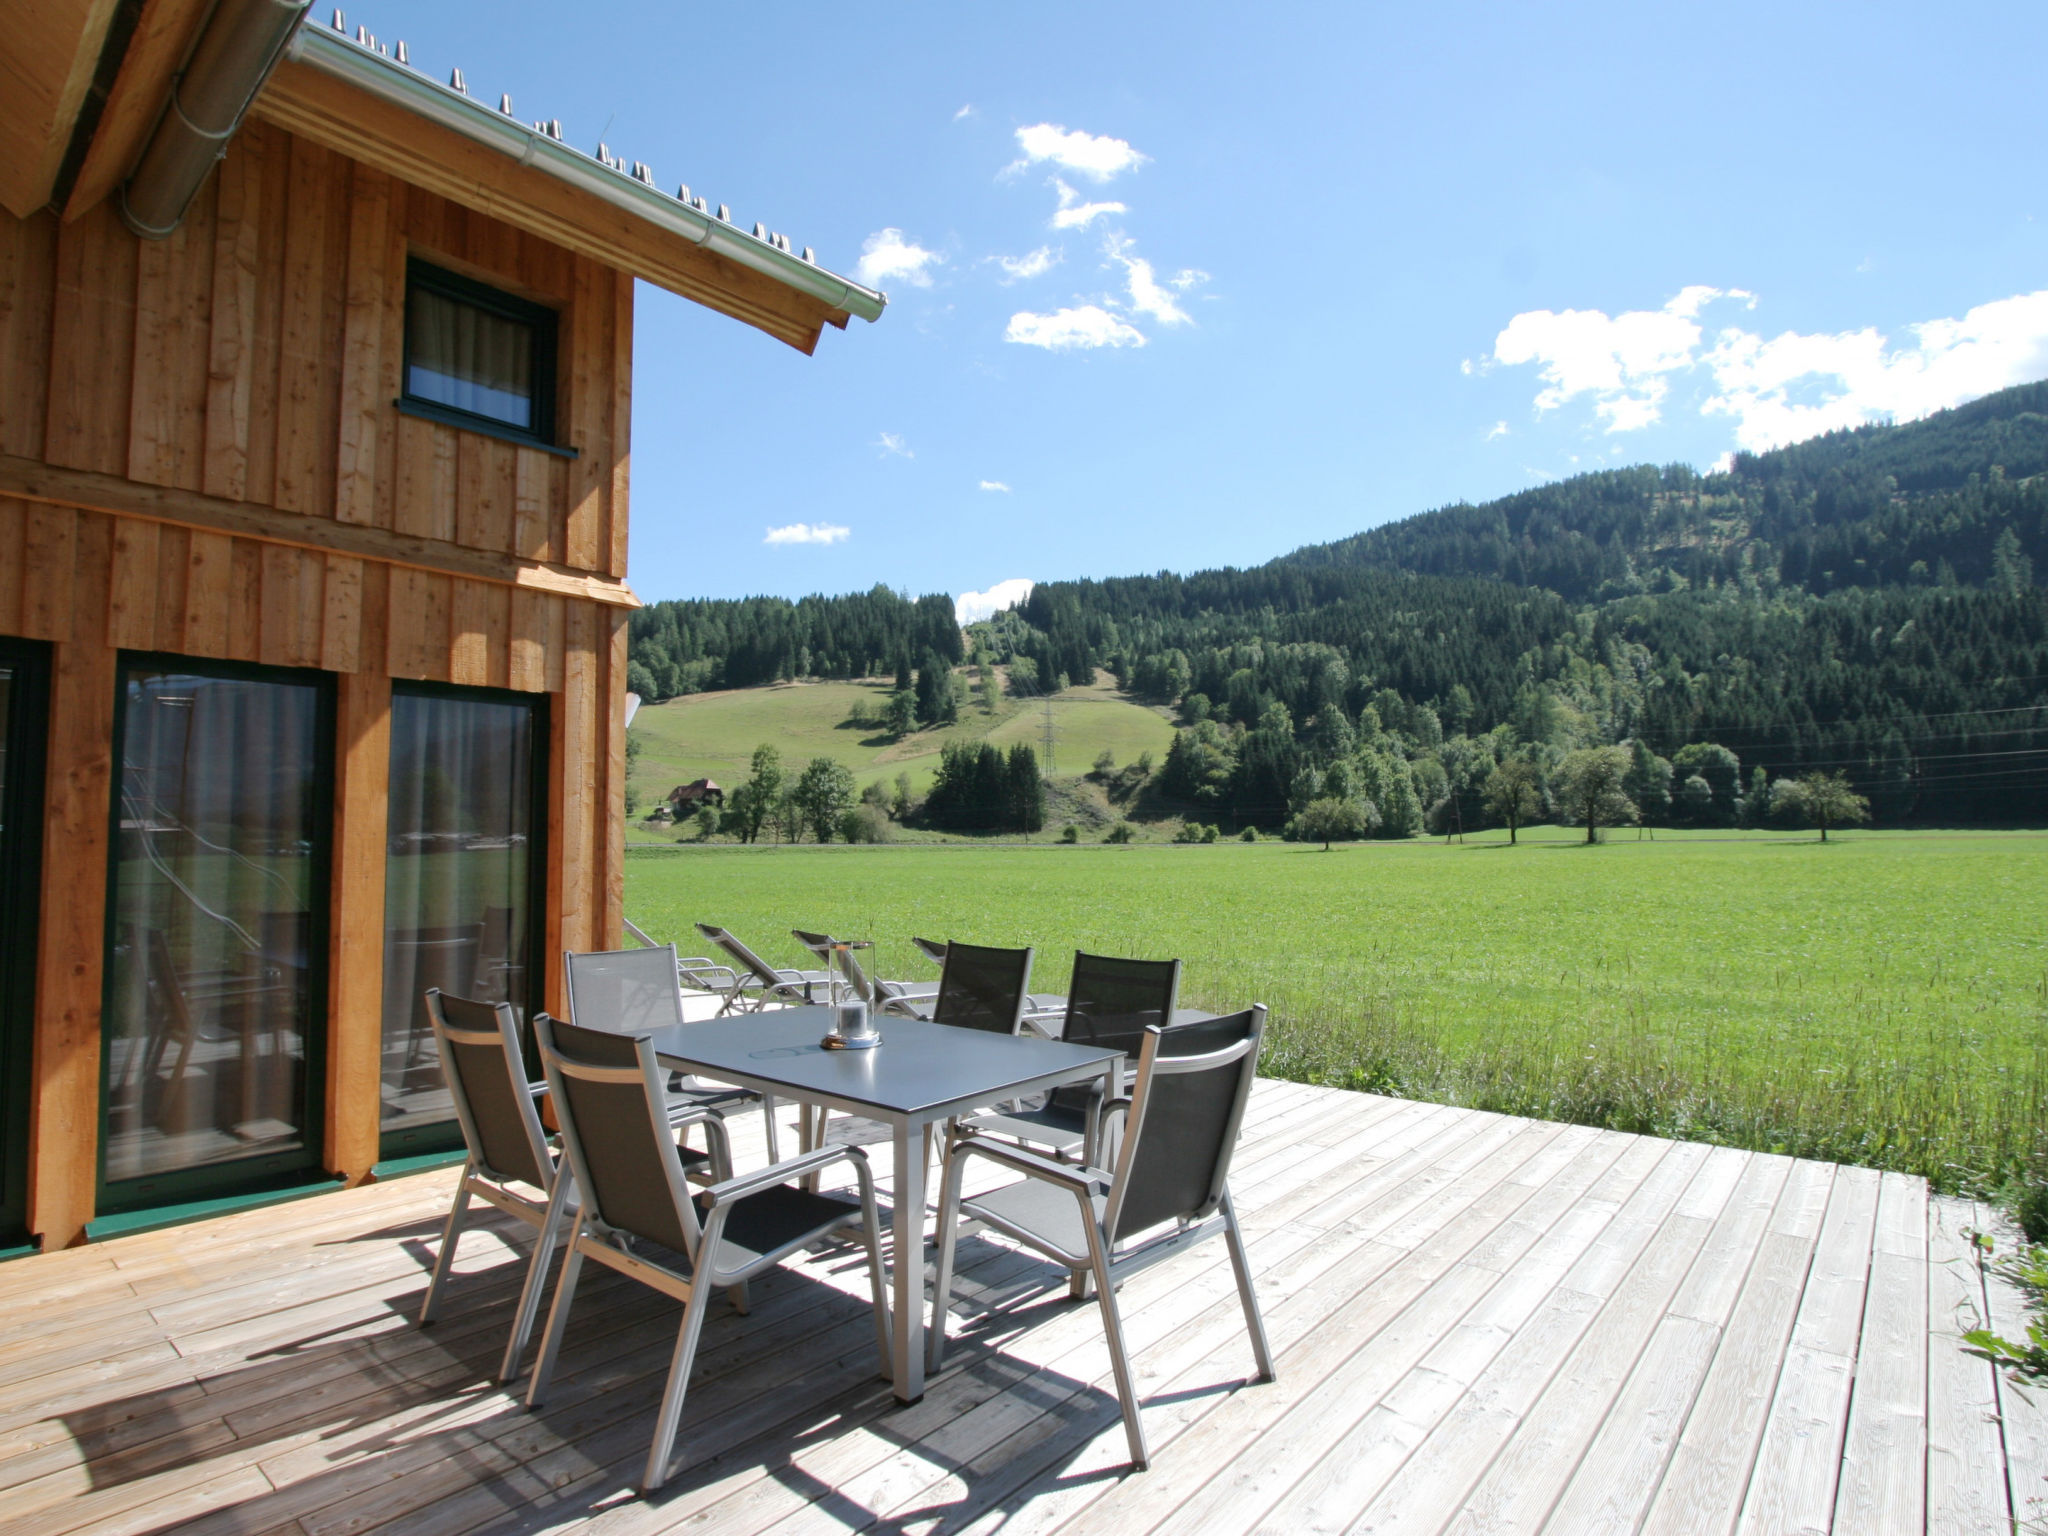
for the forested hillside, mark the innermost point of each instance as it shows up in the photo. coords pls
(692, 645)
(1863, 602)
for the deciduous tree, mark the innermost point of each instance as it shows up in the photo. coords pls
(1514, 793)
(823, 794)
(1588, 785)
(1825, 800)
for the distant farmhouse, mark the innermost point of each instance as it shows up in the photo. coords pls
(699, 792)
(315, 388)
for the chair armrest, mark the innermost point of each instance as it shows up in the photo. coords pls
(1081, 1179)
(741, 1185)
(1034, 1022)
(707, 973)
(689, 1114)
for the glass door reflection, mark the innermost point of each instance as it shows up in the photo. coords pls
(217, 928)
(461, 909)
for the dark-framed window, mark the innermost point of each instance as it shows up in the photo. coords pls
(24, 736)
(465, 884)
(214, 1027)
(477, 357)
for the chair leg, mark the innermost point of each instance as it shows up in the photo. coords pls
(1113, 1331)
(671, 1416)
(768, 1113)
(1246, 1293)
(536, 1279)
(446, 1259)
(558, 1317)
(737, 1295)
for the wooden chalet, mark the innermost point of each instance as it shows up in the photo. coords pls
(695, 795)
(314, 401)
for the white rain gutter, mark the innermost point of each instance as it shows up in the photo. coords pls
(332, 53)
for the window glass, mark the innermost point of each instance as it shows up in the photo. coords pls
(459, 908)
(469, 359)
(218, 901)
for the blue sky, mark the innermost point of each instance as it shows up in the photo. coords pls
(1357, 260)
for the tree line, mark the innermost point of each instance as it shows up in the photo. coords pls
(692, 645)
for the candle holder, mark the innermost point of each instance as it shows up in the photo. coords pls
(853, 1026)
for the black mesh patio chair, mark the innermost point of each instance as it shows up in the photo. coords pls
(980, 988)
(633, 991)
(1042, 1011)
(1111, 1002)
(508, 1152)
(1169, 1189)
(637, 1215)
(757, 984)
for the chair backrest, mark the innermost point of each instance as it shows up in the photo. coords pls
(983, 988)
(483, 1066)
(624, 991)
(1186, 1107)
(741, 956)
(934, 949)
(608, 1097)
(1113, 1002)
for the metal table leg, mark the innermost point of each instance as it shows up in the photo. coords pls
(907, 1341)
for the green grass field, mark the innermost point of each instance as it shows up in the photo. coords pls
(712, 735)
(1879, 1000)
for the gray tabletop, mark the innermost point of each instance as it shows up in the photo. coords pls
(921, 1072)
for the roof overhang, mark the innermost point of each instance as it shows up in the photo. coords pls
(354, 99)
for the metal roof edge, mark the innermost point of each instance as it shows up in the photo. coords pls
(333, 53)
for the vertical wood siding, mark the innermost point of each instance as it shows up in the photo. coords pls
(254, 356)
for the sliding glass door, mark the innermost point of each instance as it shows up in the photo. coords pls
(216, 931)
(24, 678)
(464, 883)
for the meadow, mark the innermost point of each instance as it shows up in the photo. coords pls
(1878, 1000)
(713, 735)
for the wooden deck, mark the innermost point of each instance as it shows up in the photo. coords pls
(1482, 1324)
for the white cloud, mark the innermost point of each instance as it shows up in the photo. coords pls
(1498, 429)
(1782, 388)
(808, 533)
(1075, 214)
(1620, 361)
(969, 606)
(1017, 269)
(965, 112)
(1792, 386)
(1148, 295)
(995, 485)
(885, 255)
(1083, 327)
(893, 443)
(1099, 158)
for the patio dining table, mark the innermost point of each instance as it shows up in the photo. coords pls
(920, 1075)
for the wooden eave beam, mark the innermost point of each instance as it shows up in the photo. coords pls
(331, 112)
(163, 36)
(33, 480)
(49, 53)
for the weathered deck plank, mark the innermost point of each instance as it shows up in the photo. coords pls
(1482, 1324)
